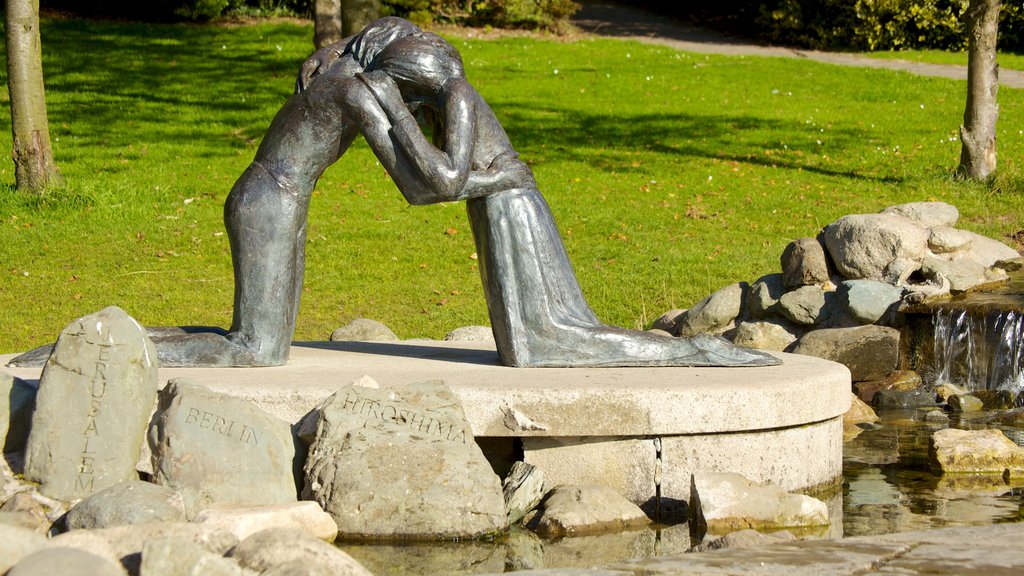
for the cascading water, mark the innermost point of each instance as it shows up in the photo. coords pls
(979, 351)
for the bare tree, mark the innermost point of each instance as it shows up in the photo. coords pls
(34, 168)
(326, 22)
(978, 133)
(356, 14)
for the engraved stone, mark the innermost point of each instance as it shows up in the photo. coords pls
(402, 463)
(216, 448)
(95, 396)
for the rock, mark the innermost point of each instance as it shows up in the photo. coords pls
(278, 546)
(57, 560)
(927, 214)
(306, 428)
(402, 463)
(902, 380)
(17, 401)
(133, 502)
(16, 543)
(961, 273)
(714, 314)
(127, 542)
(955, 451)
(471, 334)
(804, 264)
(805, 306)
(523, 490)
(364, 330)
(763, 336)
(88, 541)
(669, 320)
(27, 512)
(859, 412)
(902, 399)
(173, 556)
(965, 403)
(95, 396)
(764, 295)
(936, 417)
(577, 510)
(732, 502)
(945, 389)
(996, 399)
(870, 352)
(887, 247)
(870, 301)
(1014, 417)
(944, 240)
(212, 447)
(244, 521)
(745, 539)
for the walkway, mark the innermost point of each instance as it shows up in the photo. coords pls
(613, 20)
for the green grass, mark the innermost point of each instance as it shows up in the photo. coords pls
(1006, 60)
(670, 175)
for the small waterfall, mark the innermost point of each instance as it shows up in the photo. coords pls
(979, 350)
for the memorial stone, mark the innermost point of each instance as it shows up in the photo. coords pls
(216, 448)
(95, 396)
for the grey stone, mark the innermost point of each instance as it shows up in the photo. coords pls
(211, 447)
(732, 502)
(17, 401)
(277, 546)
(886, 247)
(471, 334)
(24, 510)
(133, 502)
(927, 214)
(58, 560)
(95, 396)
(894, 399)
(669, 320)
(763, 336)
(127, 542)
(175, 556)
(714, 314)
(91, 542)
(17, 542)
(764, 295)
(804, 263)
(870, 352)
(576, 510)
(244, 521)
(870, 301)
(364, 330)
(954, 451)
(965, 403)
(966, 269)
(805, 306)
(944, 240)
(747, 538)
(402, 463)
(523, 489)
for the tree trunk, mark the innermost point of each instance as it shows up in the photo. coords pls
(356, 14)
(34, 169)
(978, 134)
(326, 22)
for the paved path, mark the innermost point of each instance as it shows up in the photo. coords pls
(607, 19)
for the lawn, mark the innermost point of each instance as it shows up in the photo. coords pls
(670, 175)
(1006, 60)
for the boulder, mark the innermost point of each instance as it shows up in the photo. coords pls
(276, 548)
(902, 380)
(95, 396)
(902, 399)
(17, 401)
(578, 510)
(996, 399)
(25, 511)
(944, 240)
(859, 413)
(870, 352)
(804, 263)
(470, 334)
(364, 330)
(58, 560)
(806, 305)
(244, 521)
(128, 541)
(763, 336)
(171, 556)
(401, 463)
(870, 301)
(954, 451)
(714, 314)
(886, 247)
(132, 502)
(927, 214)
(961, 270)
(523, 490)
(668, 321)
(17, 542)
(211, 447)
(965, 403)
(744, 539)
(732, 502)
(764, 295)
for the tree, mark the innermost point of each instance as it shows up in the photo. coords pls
(356, 14)
(34, 168)
(326, 22)
(978, 133)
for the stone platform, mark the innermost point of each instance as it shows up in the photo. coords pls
(639, 430)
